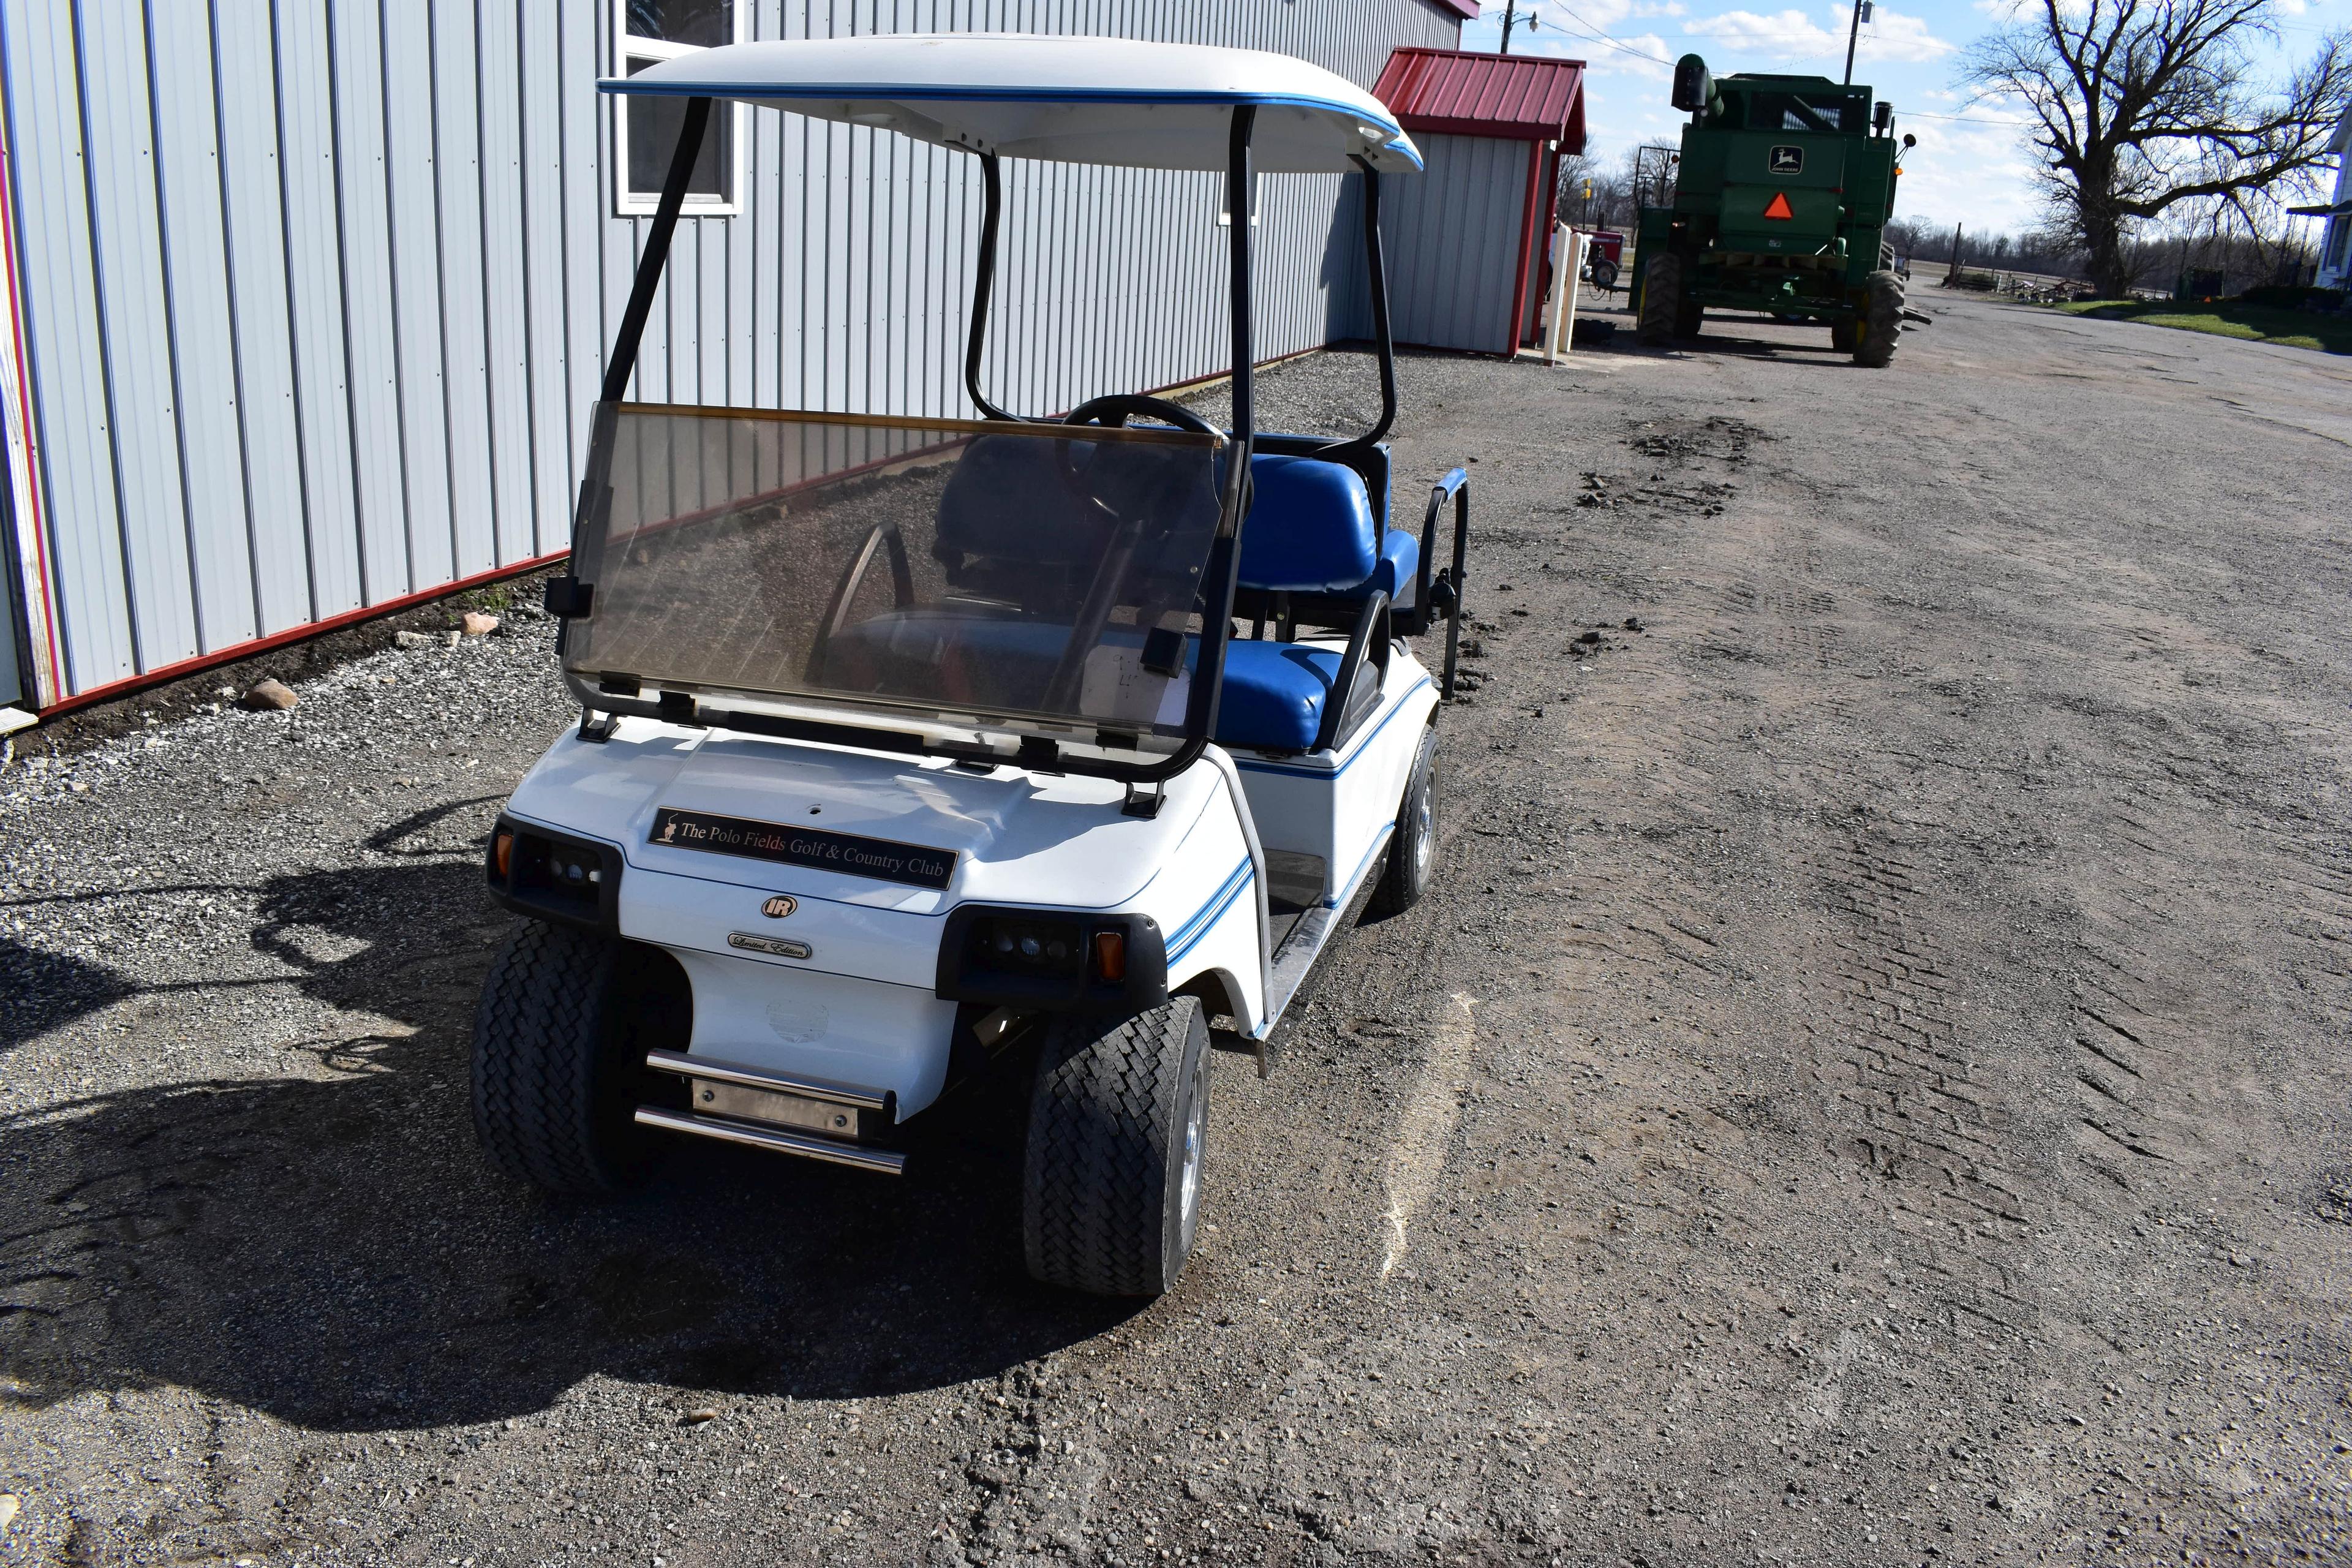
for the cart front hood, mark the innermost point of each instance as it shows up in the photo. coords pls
(918, 835)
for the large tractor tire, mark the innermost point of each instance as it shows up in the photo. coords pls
(560, 1043)
(1843, 336)
(1118, 1124)
(1688, 319)
(1412, 848)
(1662, 300)
(1881, 323)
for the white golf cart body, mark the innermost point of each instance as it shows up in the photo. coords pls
(835, 691)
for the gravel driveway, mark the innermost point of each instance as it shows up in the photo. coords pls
(1869, 1084)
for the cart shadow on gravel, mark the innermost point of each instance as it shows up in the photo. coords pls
(334, 1251)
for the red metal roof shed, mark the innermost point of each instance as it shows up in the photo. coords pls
(1537, 99)
(1521, 98)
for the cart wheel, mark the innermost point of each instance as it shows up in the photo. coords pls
(1842, 336)
(1882, 321)
(1118, 1125)
(1413, 847)
(559, 1039)
(1661, 299)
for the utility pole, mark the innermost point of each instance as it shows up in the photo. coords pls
(1852, 33)
(1510, 14)
(1952, 273)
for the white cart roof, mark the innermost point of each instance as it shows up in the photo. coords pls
(1074, 100)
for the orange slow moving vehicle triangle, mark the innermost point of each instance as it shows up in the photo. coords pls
(1780, 207)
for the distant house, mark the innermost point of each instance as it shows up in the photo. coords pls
(2335, 239)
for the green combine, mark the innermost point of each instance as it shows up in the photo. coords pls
(1785, 186)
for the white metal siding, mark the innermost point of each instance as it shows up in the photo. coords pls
(314, 293)
(1451, 243)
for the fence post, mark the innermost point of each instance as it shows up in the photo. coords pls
(1567, 266)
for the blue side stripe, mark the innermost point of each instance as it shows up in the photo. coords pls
(1188, 936)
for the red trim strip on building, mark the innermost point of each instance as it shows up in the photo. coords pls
(164, 672)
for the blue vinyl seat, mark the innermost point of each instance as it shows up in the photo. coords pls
(1313, 530)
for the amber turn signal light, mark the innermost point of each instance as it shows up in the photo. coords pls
(502, 855)
(1110, 956)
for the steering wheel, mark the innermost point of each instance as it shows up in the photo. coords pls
(1117, 409)
(1082, 476)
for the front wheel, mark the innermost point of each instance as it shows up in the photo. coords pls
(1119, 1125)
(1604, 275)
(1661, 299)
(1412, 848)
(560, 1043)
(1882, 321)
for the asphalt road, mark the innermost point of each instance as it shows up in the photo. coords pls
(1869, 1084)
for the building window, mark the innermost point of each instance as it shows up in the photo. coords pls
(645, 129)
(2339, 239)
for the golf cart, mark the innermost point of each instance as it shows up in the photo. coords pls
(908, 740)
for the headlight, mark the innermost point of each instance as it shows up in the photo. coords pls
(1045, 958)
(553, 876)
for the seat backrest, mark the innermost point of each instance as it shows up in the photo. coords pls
(1371, 461)
(1008, 500)
(1310, 529)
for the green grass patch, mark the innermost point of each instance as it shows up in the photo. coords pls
(2227, 319)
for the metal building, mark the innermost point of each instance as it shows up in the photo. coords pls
(307, 299)
(1466, 243)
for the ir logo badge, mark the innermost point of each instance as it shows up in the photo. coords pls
(1788, 160)
(780, 906)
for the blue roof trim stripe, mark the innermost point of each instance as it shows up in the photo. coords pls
(864, 92)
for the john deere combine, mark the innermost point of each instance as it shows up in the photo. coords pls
(1784, 189)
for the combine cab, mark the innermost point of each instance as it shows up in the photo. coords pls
(1785, 187)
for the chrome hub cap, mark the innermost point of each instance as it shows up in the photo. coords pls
(1188, 1193)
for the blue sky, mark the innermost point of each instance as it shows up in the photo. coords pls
(1971, 165)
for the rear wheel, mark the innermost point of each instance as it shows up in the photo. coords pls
(1412, 849)
(1661, 299)
(1882, 321)
(559, 1039)
(1118, 1126)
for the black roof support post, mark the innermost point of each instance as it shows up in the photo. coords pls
(1377, 277)
(623, 360)
(567, 596)
(1224, 554)
(983, 285)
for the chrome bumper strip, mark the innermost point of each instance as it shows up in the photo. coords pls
(775, 1140)
(760, 1077)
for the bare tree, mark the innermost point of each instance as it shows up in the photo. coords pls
(2141, 105)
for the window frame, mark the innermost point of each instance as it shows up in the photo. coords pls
(627, 47)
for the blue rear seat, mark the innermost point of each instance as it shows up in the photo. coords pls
(1312, 529)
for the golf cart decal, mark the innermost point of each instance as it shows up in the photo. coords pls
(883, 859)
(1188, 936)
(1788, 160)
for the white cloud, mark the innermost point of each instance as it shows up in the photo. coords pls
(1891, 36)
(1794, 36)
(1784, 34)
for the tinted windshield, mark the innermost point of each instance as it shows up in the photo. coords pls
(1041, 572)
